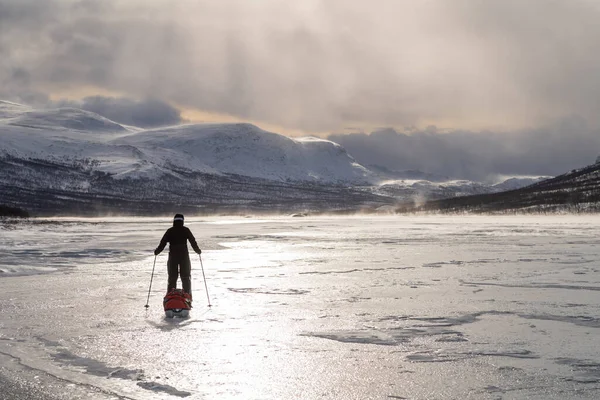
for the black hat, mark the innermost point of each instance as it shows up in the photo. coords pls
(178, 217)
(178, 220)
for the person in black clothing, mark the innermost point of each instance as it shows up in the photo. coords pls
(179, 258)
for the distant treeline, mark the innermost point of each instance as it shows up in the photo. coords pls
(6, 211)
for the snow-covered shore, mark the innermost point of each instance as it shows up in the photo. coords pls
(330, 307)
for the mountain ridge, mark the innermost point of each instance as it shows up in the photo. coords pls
(574, 191)
(69, 160)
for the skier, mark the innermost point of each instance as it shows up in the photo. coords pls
(179, 258)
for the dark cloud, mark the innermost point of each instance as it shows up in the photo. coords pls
(318, 65)
(556, 149)
(15, 86)
(146, 113)
(545, 49)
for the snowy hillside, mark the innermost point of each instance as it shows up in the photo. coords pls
(575, 191)
(517, 183)
(244, 149)
(73, 161)
(9, 109)
(421, 190)
(70, 159)
(65, 118)
(72, 135)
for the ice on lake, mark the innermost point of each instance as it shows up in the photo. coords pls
(428, 307)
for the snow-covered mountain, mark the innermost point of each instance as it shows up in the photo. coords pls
(71, 135)
(575, 191)
(517, 183)
(420, 190)
(66, 158)
(70, 159)
(244, 149)
(9, 109)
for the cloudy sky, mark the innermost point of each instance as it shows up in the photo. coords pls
(497, 77)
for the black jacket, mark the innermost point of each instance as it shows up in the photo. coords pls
(177, 237)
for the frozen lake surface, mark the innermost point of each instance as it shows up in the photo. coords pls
(463, 307)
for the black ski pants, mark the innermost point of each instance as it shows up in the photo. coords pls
(179, 264)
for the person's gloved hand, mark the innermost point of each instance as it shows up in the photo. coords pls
(156, 252)
(199, 252)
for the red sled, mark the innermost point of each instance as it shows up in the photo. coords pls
(177, 303)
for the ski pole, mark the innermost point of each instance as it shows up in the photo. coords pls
(151, 277)
(204, 277)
